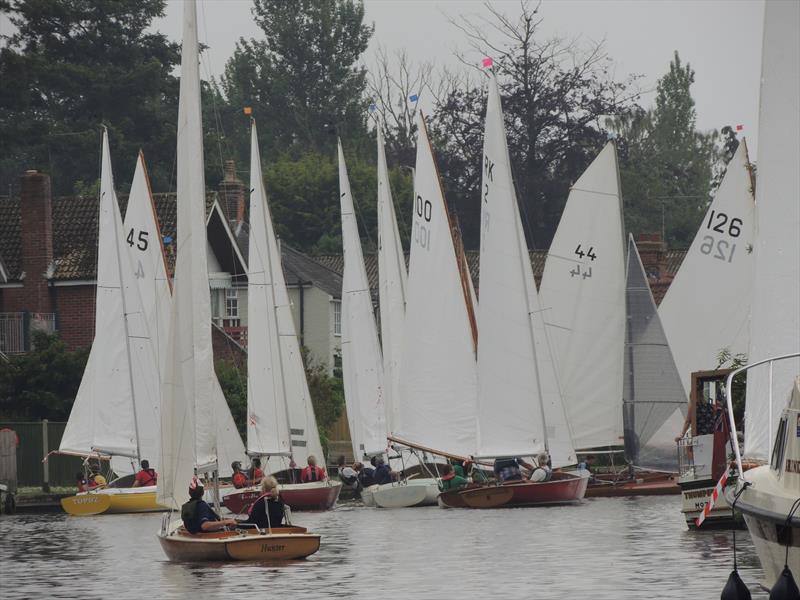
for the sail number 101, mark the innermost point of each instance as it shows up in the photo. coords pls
(722, 249)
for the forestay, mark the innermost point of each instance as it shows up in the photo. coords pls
(775, 325)
(115, 411)
(362, 361)
(652, 390)
(583, 298)
(512, 382)
(438, 380)
(713, 288)
(267, 414)
(392, 284)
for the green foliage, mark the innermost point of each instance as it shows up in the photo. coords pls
(327, 396)
(78, 64)
(234, 387)
(666, 165)
(43, 383)
(302, 80)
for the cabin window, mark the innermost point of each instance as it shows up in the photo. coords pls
(780, 445)
(231, 303)
(337, 317)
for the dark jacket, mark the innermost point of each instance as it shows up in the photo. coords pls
(382, 475)
(267, 506)
(196, 512)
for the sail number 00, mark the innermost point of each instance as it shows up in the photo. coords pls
(722, 249)
(422, 233)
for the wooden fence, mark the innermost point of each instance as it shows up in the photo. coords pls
(31, 471)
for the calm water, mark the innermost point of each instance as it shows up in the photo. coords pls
(603, 549)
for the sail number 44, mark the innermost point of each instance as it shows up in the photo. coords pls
(721, 223)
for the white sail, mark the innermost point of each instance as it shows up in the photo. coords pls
(511, 408)
(775, 325)
(362, 360)
(583, 299)
(188, 435)
(713, 288)
(115, 411)
(652, 391)
(438, 379)
(392, 284)
(267, 418)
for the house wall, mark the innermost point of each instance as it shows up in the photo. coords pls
(317, 334)
(75, 306)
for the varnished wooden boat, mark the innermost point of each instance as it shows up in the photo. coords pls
(280, 543)
(563, 488)
(316, 495)
(645, 484)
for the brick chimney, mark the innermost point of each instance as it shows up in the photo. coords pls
(653, 252)
(232, 195)
(36, 225)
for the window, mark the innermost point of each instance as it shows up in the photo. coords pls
(337, 317)
(231, 303)
(779, 449)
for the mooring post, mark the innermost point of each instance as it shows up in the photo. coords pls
(45, 463)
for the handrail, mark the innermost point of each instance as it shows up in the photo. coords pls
(729, 398)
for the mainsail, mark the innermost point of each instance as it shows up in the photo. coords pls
(267, 414)
(775, 325)
(512, 382)
(652, 390)
(392, 284)
(583, 302)
(116, 409)
(362, 361)
(438, 379)
(713, 288)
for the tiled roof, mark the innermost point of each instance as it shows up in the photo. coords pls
(299, 268)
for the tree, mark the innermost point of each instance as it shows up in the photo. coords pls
(76, 65)
(302, 79)
(554, 93)
(327, 396)
(234, 387)
(667, 167)
(43, 383)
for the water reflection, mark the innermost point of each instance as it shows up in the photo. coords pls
(603, 549)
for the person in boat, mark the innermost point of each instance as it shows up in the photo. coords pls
(254, 473)
(96, 479)
(269, 510)
(586, 464)
(82, 481)
(508, 468)
(146, 476)
(198, 516)
(543, 472)
(383, 474)
(312, 472)
(365, 475)
(450, 480)
(239, 479)
(348, 475)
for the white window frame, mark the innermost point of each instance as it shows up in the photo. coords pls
(231, 306)
(337, 318)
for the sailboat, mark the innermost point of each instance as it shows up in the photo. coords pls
(519, 405)
(188, 432)
(768, 493)
(434, 412)
(275, 373)
(115, 414)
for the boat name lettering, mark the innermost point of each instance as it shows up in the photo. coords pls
(704, 493)
(272, 547)
(792, 466)
(87, 500)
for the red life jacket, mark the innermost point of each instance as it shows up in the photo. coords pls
(312, 474)
(146, 477)
(239, 480)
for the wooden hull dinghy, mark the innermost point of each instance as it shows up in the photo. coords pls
(564, 488)
(317, 495)
(644, 484)
(281, 543)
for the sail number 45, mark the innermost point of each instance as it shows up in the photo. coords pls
(722, 249)
(141, 241)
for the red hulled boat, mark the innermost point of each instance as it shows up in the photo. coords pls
(317, 495)
(563, 488)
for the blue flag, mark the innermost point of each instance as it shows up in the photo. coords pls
(413, 97)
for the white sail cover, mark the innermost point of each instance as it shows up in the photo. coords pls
(438, 379)
(511, 416)
(188, 430)
(652, 389)
(583, 299)
(267, 417)
(362, 360)
(775, 325)
(115, 411)
(713, 288)
(392, 284)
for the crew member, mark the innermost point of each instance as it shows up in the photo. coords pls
(383, 474)
(269, 510)
(450, 480)
(238, 478)
(543, 472)
(365, 474)
(83, 483)
(146, 476)
(254, 473)
(198, 516)
(508, 469)
(95, 478)
(312, 472)
(348, 475)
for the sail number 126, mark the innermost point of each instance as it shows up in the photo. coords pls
(721, 249)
